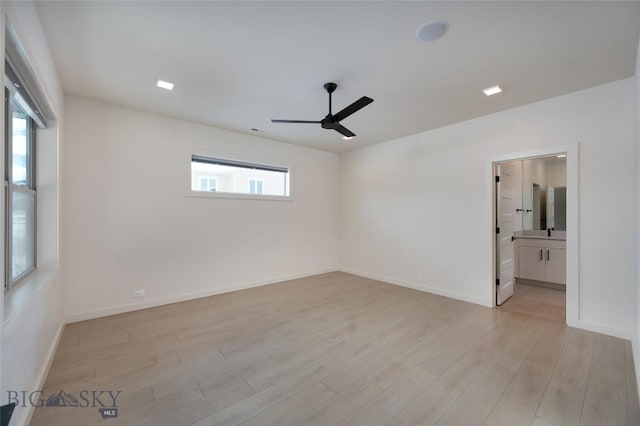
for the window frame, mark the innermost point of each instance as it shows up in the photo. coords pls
(198, 152)
(13, 101)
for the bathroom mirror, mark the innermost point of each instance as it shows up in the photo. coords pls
(544, 194)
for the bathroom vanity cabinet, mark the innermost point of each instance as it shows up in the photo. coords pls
(541, 260)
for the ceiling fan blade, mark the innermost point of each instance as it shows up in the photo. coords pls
(294, 121)
(357, 105)
(345, 132)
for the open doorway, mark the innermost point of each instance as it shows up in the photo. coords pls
(530, 244)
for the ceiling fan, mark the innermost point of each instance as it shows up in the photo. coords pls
(332, 121)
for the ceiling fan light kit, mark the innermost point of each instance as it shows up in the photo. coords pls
(332, 121)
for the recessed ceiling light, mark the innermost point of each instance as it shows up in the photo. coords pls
(493, 90)
(432, 30)
(561, 155)
(165, 85)
(347, 138)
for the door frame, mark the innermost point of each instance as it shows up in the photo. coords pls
(573, 223)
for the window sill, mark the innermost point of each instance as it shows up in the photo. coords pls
(17, 297)
(204, 194)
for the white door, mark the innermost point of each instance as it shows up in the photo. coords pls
(505, 216)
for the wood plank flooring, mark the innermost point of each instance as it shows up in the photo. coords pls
(336, 349)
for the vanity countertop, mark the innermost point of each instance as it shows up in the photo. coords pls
(541, 235)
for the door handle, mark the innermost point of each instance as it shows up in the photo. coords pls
(519, 210)
(548, 258)
(540, 254)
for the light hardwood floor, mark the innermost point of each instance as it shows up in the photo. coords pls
(337, 349)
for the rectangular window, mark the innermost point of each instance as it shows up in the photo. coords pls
(208, 184)
(238, 177)
(255, 186)
(20, 190)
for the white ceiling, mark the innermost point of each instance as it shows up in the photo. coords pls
(236, 65)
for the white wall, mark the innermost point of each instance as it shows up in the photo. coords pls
(415, 207)
(34, 320)
(128, 224)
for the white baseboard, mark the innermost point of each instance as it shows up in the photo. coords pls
(42, 376)
(86, 315)
(582, 324)
(419, 286)
(621, 333)
(81, 316)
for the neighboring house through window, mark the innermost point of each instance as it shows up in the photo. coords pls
(226, 176)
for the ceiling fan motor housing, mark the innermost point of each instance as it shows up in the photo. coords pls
(330, 87)
(329, 122)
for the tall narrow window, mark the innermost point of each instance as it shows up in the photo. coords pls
(20, 191)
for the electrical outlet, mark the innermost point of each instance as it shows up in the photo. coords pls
(138, 293)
